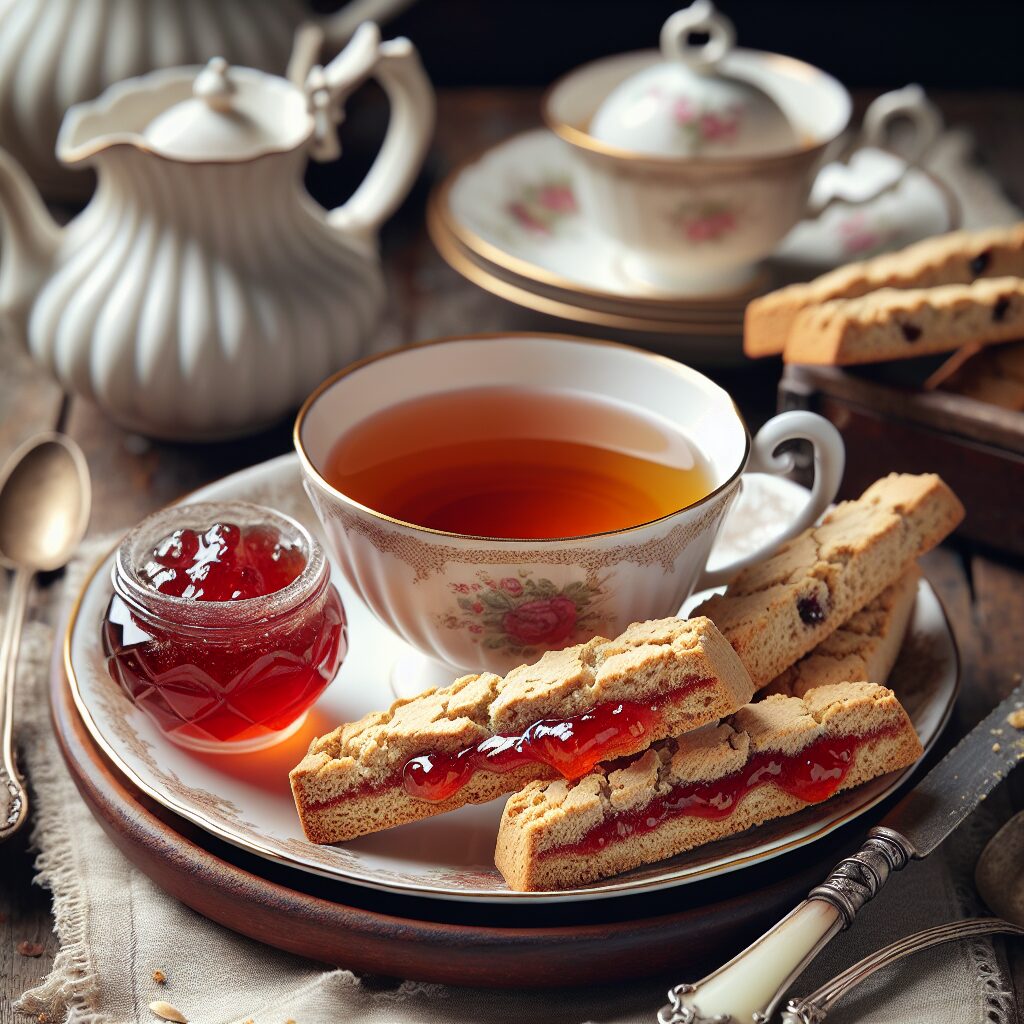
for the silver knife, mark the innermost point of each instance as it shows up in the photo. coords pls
(750, 986)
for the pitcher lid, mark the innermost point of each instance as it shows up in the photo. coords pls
(688, 104)
(227, 117)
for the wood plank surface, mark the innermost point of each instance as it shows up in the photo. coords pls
(132, 476)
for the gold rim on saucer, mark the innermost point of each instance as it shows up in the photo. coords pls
(203, 815)
(463, 263)
(439, 210)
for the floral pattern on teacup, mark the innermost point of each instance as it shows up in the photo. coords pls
(704, 221)
(524, 615)
(702, 125)
(540, 207)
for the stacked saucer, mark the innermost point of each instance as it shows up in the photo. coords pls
(509, 221)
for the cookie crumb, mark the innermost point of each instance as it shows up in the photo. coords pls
(159, 977)
(26, 948)
(1016, 718)
(996, 748)
(168, 1012)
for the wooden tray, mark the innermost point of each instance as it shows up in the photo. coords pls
(678, 933)
(890, 425)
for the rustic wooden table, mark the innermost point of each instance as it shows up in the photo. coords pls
(131, 476)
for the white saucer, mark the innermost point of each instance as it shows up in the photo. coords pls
(514, 209)
(245, 800)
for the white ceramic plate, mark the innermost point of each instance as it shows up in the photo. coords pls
(245, 799)
(514, 207)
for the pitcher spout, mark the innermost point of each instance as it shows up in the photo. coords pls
(29, 237)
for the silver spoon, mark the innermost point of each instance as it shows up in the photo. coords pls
(999, 877)
(44, 512)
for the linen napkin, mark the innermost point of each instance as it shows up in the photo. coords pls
(117, 928)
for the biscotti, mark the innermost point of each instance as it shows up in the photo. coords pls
(768, 760)
(957, 258)
(864, 647)
(484, 735)
(891, 324)
(776, 611)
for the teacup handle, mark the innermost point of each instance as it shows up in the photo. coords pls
(909, 103)
(829, 461)
(396, 65)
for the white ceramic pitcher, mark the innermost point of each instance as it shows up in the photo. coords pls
(202, 293)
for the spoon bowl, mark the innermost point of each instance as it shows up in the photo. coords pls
(44, 503)
(999, 873)
(44, 511)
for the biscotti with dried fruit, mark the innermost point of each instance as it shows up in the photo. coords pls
(864, 647)
(770, 759)
(778, 610)
(485, 735)
(891, 324)
(957, 258)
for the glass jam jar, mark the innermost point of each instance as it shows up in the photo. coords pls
(223, 627)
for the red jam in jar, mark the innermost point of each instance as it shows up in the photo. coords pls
(223, 627)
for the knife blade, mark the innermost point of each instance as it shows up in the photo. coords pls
(961, 780)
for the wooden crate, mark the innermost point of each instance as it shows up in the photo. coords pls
(890, 425)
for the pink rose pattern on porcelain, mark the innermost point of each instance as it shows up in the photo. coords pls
(862, 235)
(525, 616)
(705, 221)
(702, 125)
(540, 208)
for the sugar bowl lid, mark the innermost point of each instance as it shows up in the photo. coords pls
(231, 114)
(688, 104)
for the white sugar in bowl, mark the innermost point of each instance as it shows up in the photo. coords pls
(689, 104)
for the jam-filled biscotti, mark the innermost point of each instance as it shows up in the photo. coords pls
(770, 759)
(776, 611)
(864, 647)
(485, 735)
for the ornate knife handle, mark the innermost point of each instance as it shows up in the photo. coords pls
(750, 986)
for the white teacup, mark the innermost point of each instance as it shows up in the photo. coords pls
(424, 583)
(699, 225)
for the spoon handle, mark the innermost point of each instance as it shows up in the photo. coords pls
(14, 812)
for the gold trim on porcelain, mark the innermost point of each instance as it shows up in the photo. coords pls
(480, 276)
(582, 139)
(439, 207)
(243, 842)
(671, 365)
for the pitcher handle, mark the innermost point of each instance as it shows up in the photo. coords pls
(396, 65)
(911, 104)
(829, 461)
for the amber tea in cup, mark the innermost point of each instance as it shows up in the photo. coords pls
(514, 462)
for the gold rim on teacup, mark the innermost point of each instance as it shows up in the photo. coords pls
(676, 368)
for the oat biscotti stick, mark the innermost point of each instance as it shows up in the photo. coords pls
(957, 258)
(768, 760)
(484, 735)
(775, 612)
(891, 324)
(864, 647)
